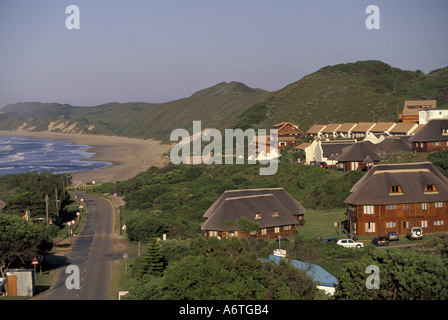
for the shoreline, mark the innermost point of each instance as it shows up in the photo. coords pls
(129, 156)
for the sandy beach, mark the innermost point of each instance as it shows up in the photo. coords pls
(129, 156)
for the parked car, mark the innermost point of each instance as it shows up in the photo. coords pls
(380, 241)
(329, 240)
(349, 243)
(392, 236)
(415, 233)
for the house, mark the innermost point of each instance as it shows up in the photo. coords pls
(403, 129)
(359, 156)
(330, 131)
(425, 115)
(333, 148)
(288, 134)
(274, 209)
(396, 197)
(362, 129)
(432, 137)
(411, 110)
(345, 130)
(308, 148)
(394, 144)
(316, 130)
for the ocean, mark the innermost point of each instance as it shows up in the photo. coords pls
(22, 154)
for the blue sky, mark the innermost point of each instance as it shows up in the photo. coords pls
(157, 51)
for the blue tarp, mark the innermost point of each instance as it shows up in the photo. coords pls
(316, 272)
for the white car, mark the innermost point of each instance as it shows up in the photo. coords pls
(349, 243)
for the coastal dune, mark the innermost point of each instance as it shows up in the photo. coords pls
(128, 156)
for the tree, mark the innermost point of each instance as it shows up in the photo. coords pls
(245, 226)
(403, 275)
(152, 259)
(20, 241)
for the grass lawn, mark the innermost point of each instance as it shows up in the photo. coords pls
(321, 224)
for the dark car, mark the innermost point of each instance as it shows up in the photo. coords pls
(380, 241)
(329, 240)
(392, 236)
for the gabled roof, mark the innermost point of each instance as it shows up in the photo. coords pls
(233, 208)
(382, 127)
(346, 127)
(373, 188)
(363, 127)
(280, 193)
(404, 127)
(281, 125)
(359, 152)
(315, 129)
(432, 131)
(330, 128)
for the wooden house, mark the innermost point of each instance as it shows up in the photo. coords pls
(275, 210)
(432, 137)
(412, 108)
(396, 197)
(288, 134)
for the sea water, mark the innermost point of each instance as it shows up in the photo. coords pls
(22, 154)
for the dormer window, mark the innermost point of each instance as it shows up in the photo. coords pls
(445, 131)
(275, 214)
(430, 188)
(395, 190)
(258, 215)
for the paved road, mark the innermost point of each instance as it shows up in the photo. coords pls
(92, 253)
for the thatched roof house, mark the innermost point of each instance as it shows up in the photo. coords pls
(274, 209)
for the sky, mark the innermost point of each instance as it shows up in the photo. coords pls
(158, 51)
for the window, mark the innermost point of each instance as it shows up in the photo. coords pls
(368, 210)
(213, 233)
(430, 188)
(406, 206)
(258, 215)
(436, 143)
(370, 226)
(391, 207)
(445, 131)
(395, 189)
(405, 224)
(391, 224)
(438, 222)
(263, 231)
(287, 228)
(277, 230)
(424, 224)
(275, 214)
(439, 204)
(424, 206)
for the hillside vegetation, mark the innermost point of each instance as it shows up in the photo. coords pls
(214, 106)
(352, 92)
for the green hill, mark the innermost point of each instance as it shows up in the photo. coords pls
(214, 106)
(352, 92)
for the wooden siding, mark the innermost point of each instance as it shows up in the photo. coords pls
(270, 233)
(398, 219)
(429, 146)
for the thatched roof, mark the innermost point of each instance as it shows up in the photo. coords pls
(394, 144)
(374, 187)
(335, 147)
(233, 208)
(281, 194)
(432, 131)
(359, 152)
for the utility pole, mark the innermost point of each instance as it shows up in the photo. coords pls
(46, 208)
